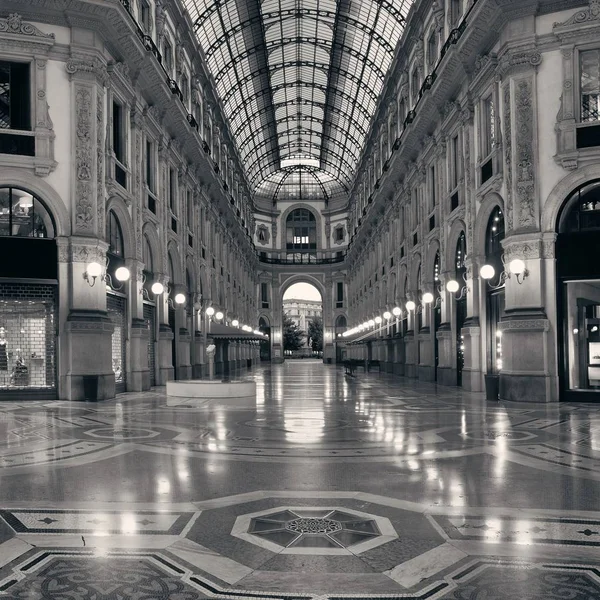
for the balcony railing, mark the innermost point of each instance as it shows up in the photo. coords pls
(304, 260)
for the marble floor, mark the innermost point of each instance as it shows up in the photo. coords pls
(321, 487)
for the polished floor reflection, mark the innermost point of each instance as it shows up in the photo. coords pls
(322, 486)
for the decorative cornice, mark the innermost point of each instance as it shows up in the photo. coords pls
(14, 24)
(592, 13)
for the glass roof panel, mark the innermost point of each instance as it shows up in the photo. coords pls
(299, 81)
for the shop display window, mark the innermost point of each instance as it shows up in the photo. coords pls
(27, 339)
(23, 215)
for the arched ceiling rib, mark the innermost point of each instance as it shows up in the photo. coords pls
(299, 81)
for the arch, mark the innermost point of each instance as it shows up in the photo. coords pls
(263, 320)
(302, 279)
(488, 204)
(562, 190)
(155, 246)
(341, 322)
(432, 250)
(119, 208)
(173, 255)
(191, 274)
(316, 214)
(402, 282)
(44, 191)
(413, 282)
(457, 228)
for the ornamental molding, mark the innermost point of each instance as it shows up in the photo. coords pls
(84, 204)
(525, 325)
(90, 67)
(14, 25)
(517, 60)
(587, 15)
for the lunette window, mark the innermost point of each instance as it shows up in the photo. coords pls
(23, 215)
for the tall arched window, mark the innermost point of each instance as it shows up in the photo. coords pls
(114, 235)
(22, 214)
(301, 235)
(460, 271)
(495, 295)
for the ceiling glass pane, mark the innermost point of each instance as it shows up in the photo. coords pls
(299, 81)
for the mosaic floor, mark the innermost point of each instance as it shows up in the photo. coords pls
(322, 487)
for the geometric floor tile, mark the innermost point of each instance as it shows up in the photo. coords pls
(96, 522)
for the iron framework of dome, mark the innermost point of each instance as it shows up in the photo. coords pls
(299, 81)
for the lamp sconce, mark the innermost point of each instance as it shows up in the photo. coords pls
(516, 267)
(454, 286)
(95, 271)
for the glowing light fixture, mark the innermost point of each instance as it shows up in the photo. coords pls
(378, 320)
(487, 271)
(427, 298)
(387, 315)
(235, 323)
(210, 311)
(371, 323)
(157, 288)
(516, 266)
(122, 274)
(410, 305)
(219, 316)
(452, 286)
(180, 298)
(397, 311)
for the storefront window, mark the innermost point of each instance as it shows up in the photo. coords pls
(27, 336)
(23, 215)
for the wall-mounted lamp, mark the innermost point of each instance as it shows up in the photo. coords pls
(454, 286)
(235, 323)
(157, 288)
(180, 298)
(410, 305)
(427, 298)
(396, 311)
(387, 315)
(371, 323)
(378, 320)
(210, 311)
(516, 267)
(219, 316)
(93, 271)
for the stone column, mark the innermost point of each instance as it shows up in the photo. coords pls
(411, 348)
(446, 370)
(166, 370)
(472, 375)
(138, 373)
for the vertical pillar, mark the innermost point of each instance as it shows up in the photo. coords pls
(472, 375)
(446, 370)
(138, 374)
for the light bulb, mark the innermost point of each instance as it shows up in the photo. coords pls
(157, 288)
(452, 286)
(397, 311)
(210, 311)
(516, 266)
(487, 271)
(378, 320)
(365, 324)
(371, 322)
(219, 316)
(387, 315)
(180, 298)
(410, 305)
(235, 323)
(94, 269)
(122, 274)
(427, 297)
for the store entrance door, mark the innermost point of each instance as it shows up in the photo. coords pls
(150, 318)
(116, 305)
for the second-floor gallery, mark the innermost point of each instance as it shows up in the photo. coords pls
(430, 166)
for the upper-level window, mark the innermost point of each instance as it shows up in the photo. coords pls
(23, 215)
(488, 126)
(416, 84)
(185, 88)
(15, 109)
(114, 235)
(455, 12)
(301, 230)
(589, 61)
(150, 170)
(145, 17)
(460, 255)
(432, 51)
(118, 142)
(15, 106)
(190, 209)
(172, 190)
(167, 55)
(494, 234)
(455, 162)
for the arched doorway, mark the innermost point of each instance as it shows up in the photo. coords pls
(460, 271)
(341, 324)
(116, 300)
(578, 294)
(265, 345)
(28, 296)
(494, 294)
(149, 308)
(302, 321)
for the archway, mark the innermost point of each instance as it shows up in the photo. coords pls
(302, 321)
(264, 326)
(578, 293)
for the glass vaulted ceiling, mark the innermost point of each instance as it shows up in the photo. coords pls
(299, 81)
